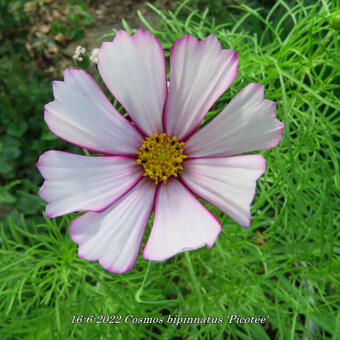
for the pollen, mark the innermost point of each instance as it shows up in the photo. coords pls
(161, 156)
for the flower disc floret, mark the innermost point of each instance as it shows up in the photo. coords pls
(161, 156)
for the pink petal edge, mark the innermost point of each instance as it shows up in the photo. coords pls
(172, 51)
(203, 133)
(209, 245)
(52, 130)
(109, 269)
(252, 195)
(41, 192)
(134, 37)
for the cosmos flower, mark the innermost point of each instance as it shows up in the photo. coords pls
(158, 160)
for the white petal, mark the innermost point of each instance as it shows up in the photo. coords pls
(82, 115)
(114, 236)
(228, 183)
(133, 69)
(75, 183)
(248, 123)
(181, 223)
(199, 73)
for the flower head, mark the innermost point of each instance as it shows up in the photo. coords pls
(159, 160)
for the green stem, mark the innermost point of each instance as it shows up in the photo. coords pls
(138, 295)
(194, 282)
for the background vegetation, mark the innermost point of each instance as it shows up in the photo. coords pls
(285, 266)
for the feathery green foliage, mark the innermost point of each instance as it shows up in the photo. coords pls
(286, 265)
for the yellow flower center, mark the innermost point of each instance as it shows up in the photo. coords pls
(161, 157)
